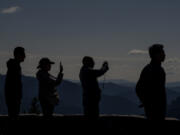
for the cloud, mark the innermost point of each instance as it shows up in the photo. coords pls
(174, 60)
(172, 66)
(137, 52)
(10, 10)
(4, 55)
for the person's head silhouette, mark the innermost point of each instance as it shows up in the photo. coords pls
(19, 54)
(157, 53)
(88, 61)
(45, 64)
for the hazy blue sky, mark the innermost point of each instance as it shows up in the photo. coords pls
(119, 31)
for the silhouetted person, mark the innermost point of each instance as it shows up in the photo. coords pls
(91, 91)
(13, 84)
(48, 94)
(151, 86)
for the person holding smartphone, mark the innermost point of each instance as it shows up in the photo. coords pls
(48, 94)
(91, 91)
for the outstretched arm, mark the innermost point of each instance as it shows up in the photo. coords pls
(101, 71)
(50, 80)
(60, 75)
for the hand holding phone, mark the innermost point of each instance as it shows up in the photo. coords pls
(105, 65)
(60, 67)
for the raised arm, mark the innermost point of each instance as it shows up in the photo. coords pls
(101, 71)
(59, 78)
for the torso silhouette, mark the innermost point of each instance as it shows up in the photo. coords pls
(13, 84)
(151, 90)
(47, 83)
(89, 82)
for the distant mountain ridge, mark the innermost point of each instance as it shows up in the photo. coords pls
(116, 98)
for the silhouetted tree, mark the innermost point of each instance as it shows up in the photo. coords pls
(34, 106)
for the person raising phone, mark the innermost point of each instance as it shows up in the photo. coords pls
(91, 91)
(48, 94)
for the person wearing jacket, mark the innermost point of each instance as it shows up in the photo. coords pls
(13, 83)
(91, 91)
(48, 94)
(151, 85)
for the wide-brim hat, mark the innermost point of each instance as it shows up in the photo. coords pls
(44, 61)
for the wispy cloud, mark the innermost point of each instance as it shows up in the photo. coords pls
(137, 52)
(174, 60)
(10, 10)
(172, 66)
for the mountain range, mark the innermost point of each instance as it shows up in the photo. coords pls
(118, 97)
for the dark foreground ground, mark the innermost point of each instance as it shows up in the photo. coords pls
(73, 124)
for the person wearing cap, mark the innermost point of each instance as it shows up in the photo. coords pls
(13, 83)
(48, 94)
(91, 91)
